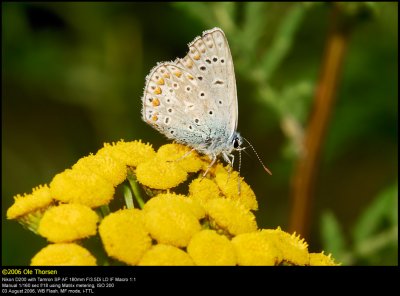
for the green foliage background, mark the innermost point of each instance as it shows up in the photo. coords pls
(73, 76)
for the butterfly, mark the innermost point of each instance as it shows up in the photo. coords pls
(193, 100)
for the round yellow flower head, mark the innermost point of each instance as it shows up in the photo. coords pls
(184, 156)
(231, 216)
(124, 236)
(129, 153)
(181, 200)
(320, 259)
(207, 248)
(172, 222)
(29, 209)
(203, 189)
(294, 249)
(159, 174)
(105, 166)
(228, 184)
(63, 255)
(39, 199)
(165, 255)
(68, 222)
(256, 249)
(83, 187)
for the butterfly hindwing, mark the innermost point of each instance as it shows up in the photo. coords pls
(193, 100)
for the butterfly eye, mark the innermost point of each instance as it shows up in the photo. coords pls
(236, 143)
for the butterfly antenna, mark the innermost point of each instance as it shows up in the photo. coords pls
(259, 159)
(240, 164)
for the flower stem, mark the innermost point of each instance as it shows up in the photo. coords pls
(306, 168)
(135, 189)
(128, 197)
(105, 210)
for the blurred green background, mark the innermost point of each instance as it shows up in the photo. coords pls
(73, 76)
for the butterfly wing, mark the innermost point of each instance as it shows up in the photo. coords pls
(193, 100)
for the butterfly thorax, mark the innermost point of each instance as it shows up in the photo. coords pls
(220, 146)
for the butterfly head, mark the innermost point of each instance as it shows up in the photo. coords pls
(237, 141)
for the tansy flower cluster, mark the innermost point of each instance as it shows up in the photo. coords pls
(213, 223)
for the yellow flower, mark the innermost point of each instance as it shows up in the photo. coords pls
(39, 199)
(193, 229)
(81, 186)
(231, 216)
(68, 222)
(229, 185)
(124, 236)
(294, 249)
(190, 162)
(129, 153)
(160, 174)
(256, 249)
(105, 166)
(181, 200)
(203, 189)
(63, 255)
(168, 222)
(29, 209)
(320, 259)
(207, 247)
(165, 255)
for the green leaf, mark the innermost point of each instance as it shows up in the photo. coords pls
(283, 39)
(332, 236)
(380, 215)
(255, 18)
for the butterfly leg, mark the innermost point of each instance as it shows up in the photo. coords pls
(185, 155)
(228, 160)
(214, 159)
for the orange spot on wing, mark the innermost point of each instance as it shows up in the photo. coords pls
(156, 102)
(178, 73)
(160, 81)
(157, 91)
(189, 63)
